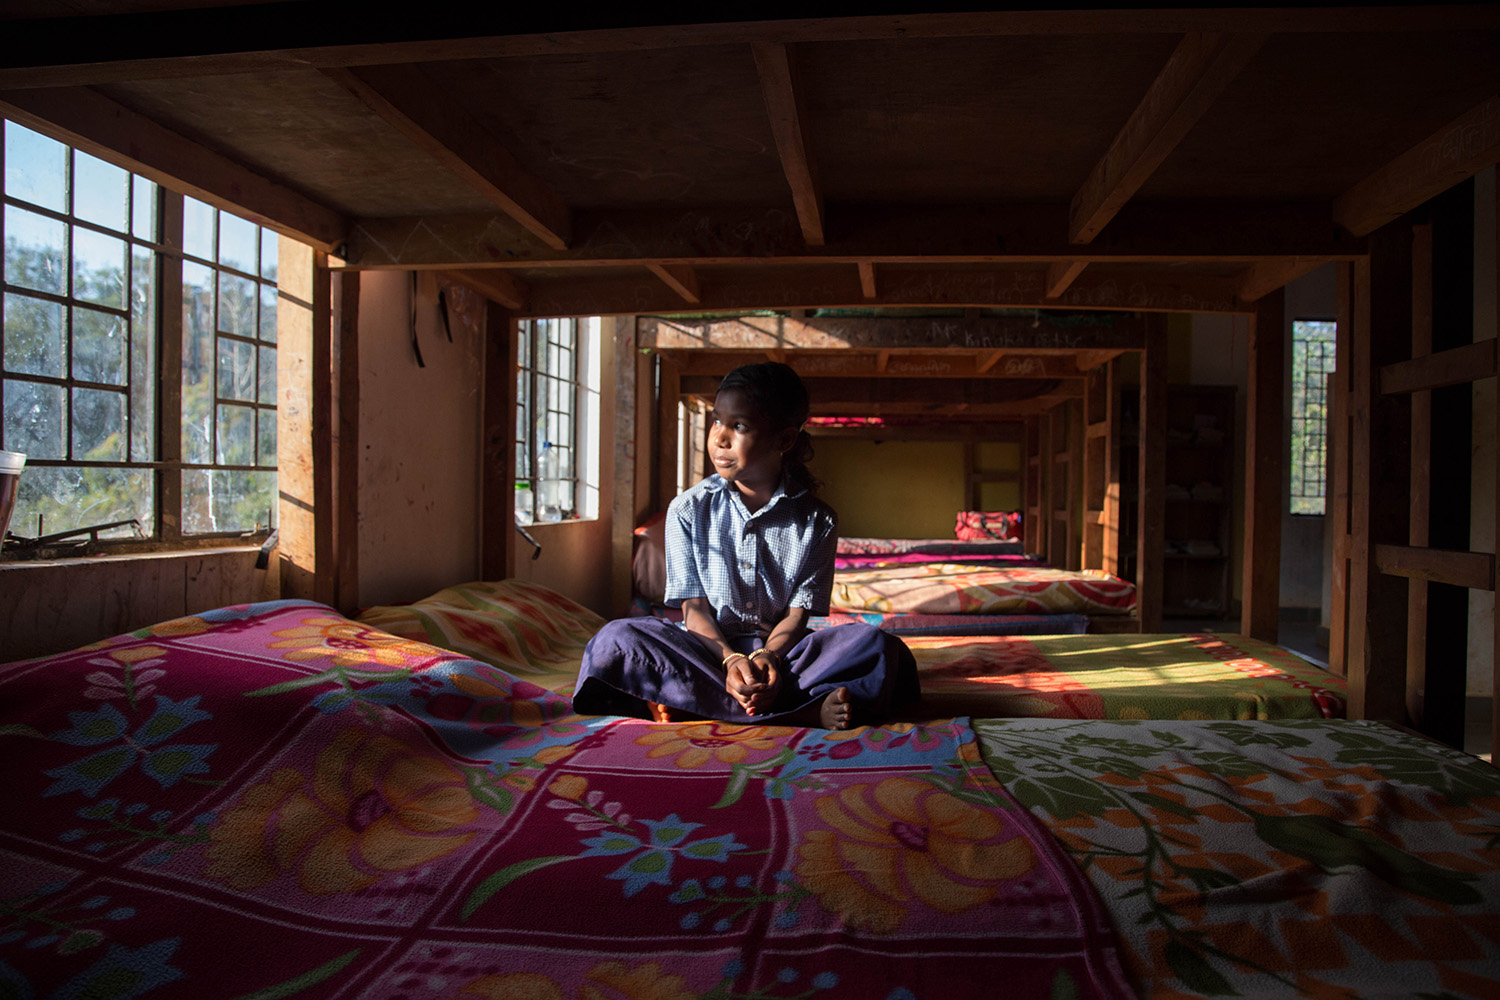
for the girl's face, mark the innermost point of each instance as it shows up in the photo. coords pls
(743, 445)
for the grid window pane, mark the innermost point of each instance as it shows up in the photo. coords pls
(34, 337)
(268, 313)
(100, 343)
(36, 168)
(236, 370)
(101, 191)
(237, 299)
(198, 229)
(143, 208)
(270, 252)
(223, 500)
(98, 268)
(1312, 363)
(238, 243)
(236, 435)
(36, 251)
(98, 425)
(79, 353)
(69, 497)
(35, 419)
(265, 448)
(198, 362)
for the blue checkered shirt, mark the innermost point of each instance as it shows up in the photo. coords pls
(751, 567)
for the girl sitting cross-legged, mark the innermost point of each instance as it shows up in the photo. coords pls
(750, 554)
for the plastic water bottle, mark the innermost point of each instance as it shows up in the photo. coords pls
(523, 503)
(549, 483)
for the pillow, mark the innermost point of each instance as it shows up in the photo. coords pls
(976, 524)
(518, 626)
(648, 567)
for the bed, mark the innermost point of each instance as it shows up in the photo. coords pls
(979, 579)
(274, 800)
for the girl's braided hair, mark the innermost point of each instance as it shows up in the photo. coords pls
(779, 393)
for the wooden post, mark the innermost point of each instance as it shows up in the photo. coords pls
(623, 500)
(1495, 583)
(497, 480)
(1420, 502)
(1338, 473)
(1378, 486)
(1265, 444)
(1151, 537)
(346, 459)
(667, 404)
(304, 473)
(324, 437)
(1045, 472)
(1111, 554)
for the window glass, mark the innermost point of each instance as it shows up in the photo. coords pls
(80, 365)
(36, 168)
(1312, 366)
(554, 452)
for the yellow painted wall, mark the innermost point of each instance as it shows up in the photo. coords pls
(906, 489)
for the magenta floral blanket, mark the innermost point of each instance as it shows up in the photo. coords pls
(273, 801)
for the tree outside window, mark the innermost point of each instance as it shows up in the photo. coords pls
(1312, 364)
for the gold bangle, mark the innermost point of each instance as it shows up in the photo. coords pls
(731, 656)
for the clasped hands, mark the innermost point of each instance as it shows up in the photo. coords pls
(753, 679)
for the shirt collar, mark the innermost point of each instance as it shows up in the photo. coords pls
(786, 488)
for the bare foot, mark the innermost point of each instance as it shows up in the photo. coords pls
(837, 710)
(666, 713)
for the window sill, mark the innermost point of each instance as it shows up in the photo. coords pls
(9, 562)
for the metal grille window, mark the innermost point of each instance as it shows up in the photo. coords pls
(1312, 364)
(89, 363)
(547, 403)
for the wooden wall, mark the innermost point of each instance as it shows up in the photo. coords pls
(48, 607)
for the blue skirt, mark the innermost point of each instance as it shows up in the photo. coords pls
(632, 662)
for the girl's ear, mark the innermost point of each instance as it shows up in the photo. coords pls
(787, 438)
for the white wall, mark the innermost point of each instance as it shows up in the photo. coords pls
(419, 454)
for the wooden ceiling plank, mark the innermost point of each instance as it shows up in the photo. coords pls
(1267, 276)
(425, 113)
(80, 50)
(681, 279)
(500, 286)
(1206, 231)
(1452, 154)
(867, 278)
(778, 84)
(1061, 274)
(92, 122)
(784, 288)
(1198, 70)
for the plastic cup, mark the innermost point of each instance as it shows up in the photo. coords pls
(11, 464)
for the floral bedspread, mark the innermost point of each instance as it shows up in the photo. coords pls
(1322, 858)
(1121, 677)
(959, 588)
(951, 625)
(273, 801)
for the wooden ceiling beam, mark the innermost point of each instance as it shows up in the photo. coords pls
(951, 364)
(1061, 274)
(1205, 231)
(913, 395)
(1195, 74)
(430, 117)
(500, 286)
(1452, 154)
(815, 288)
(681, 279)
(1267, 276)
(925, 430)
(949, 337)
(216, 40)
(788, 119)
(92, 122)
